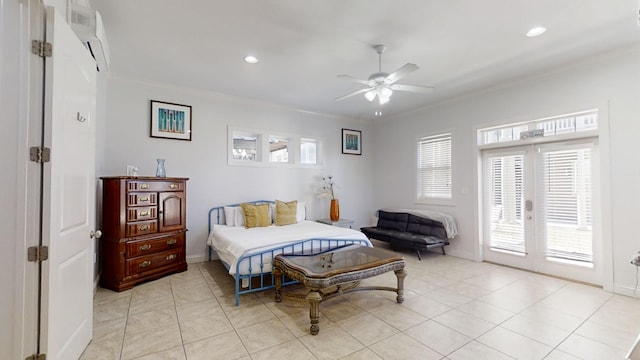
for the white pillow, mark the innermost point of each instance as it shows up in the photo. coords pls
(301, 214)
(230, 215)
(239, 217)
(272, 213)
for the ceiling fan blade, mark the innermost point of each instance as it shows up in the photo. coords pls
(400, 73)
(353, 94)
(412, 88)
(351, 78)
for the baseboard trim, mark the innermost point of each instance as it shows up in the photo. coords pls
(194, 259)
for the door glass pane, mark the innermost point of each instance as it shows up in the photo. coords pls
(505, 181)
(567, 200)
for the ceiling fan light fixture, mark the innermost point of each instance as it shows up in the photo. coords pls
(385, 92)
(383, 100)
(370, 95)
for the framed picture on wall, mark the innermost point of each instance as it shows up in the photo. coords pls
(170, 121)
(351, 142)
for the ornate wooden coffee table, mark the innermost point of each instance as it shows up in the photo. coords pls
(341, 268)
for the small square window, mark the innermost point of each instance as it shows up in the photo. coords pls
(278, 149)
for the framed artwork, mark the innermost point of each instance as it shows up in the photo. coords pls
(170, 121)
(351, 142)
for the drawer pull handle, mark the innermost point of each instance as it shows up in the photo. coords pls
(172, 242)
(171, 257)
(143, 213)
(173, 186)
(145, 263)
(144, 186)
(145, 247)
(143, 227)
(144, 198)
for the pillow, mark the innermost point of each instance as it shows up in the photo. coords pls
(272, 212)
(256, 215)
(230, 215)
(286, 212)
(239, 216)
(301, 213)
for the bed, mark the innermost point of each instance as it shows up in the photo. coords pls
(247, 253)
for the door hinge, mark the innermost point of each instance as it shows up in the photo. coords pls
(37, 253)
(41, 48)
(36, 357)
(39, 154)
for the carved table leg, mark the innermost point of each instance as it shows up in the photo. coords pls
(314, 310)
(277, 275)
(400, 274)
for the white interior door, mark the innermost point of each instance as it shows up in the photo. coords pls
(541, 211)
(68, 194)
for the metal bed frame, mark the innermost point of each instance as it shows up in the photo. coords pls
(265, 280)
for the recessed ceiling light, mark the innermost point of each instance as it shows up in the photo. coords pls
(250, 59)
(378, 113)
(536, 31)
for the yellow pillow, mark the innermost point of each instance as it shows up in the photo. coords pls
(256, 215)
(286, 212)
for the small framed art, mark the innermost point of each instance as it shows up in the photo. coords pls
(170, 121)
(351, 142)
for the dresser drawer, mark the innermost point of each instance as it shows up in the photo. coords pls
(150, 262)
(144, 247)
(142, 199)
(142, 213)
(141, 185)
(142, 228)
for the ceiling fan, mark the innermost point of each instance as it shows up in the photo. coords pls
(382, 85)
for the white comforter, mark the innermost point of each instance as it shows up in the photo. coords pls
(232, 242)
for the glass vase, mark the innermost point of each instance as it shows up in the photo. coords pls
(160, 172)
(334, 211)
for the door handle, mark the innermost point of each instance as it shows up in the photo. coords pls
(95, 234)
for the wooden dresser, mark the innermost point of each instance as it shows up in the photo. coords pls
(144, 229)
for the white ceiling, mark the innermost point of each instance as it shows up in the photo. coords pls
(459, 45)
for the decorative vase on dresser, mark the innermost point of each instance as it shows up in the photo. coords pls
(334, 210)
(144, 229)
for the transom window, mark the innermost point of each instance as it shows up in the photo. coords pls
(253, 147)
(564, 124)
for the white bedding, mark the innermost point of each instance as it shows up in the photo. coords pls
(232, 242)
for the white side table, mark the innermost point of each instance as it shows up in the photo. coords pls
(344, 223)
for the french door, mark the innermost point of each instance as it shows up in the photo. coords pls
(540, 209)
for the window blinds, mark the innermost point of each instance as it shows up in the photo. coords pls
(434, 167)
(564, 190)
(505, 181)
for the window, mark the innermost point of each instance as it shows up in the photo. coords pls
(278, 149)
(558, 125)
(308, 151)
(254, 147)
(434, 167)
(246, 147)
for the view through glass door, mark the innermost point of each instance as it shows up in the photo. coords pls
(538, 209)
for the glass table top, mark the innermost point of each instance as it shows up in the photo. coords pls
(340, 260)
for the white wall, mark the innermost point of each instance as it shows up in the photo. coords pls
(612, 78)
(204, 159)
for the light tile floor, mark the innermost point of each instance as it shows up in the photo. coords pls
(453, 309)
